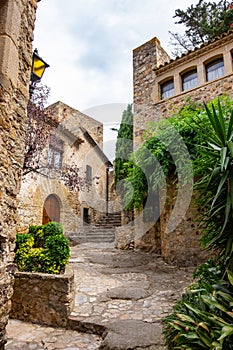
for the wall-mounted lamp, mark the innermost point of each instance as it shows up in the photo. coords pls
(38, 68)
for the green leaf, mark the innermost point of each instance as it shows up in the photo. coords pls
(230, 146)
(227, 212)
(220, 186)
(230, 127)
(230, 276)
(223, 154)
(205, 339)
(211, 301)
(217, 123)
(203, 325)
(184, 317)
(226, 332)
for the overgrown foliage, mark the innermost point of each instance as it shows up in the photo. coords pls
(167, 144)
(124, 144)
(203, 319)
(43, 249)
(203, 22)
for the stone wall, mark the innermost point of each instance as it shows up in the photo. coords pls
(33, 194)
(166, 108)
(43, 298)
(182, 244)
(16, 33)
(145, 58)
(82, 138)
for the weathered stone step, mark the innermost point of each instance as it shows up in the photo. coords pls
(93, 235)
(122, 334)
(85, 326)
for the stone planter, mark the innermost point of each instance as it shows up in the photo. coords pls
(43, 298)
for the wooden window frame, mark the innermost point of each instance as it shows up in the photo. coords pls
(189, 80)
(167, 92)
(215, 69)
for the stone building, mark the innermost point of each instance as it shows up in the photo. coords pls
(17, 20)
(76, 142)
(161, 87)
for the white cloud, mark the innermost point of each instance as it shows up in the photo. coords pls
(89, 44)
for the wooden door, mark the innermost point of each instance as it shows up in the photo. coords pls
(51, 210)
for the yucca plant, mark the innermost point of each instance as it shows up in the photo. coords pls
(203, 319)
(215, 168)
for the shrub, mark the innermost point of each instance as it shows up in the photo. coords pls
(58, 250)
(52, 229)
(39, 239)
(34, 228)
(203, 319)
(44, 249)
(23, 247)
(22, 238)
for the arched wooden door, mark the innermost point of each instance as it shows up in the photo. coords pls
(51, 210)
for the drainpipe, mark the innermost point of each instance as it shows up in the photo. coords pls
(107, 188)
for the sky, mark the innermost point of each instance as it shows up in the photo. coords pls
(88, 45)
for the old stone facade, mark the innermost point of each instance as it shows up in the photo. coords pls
(44, 197)
(43, 298)
(16, 33)
(149, 104)
(161, 87)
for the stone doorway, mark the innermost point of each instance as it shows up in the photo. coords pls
(85, 216)
(51, 209)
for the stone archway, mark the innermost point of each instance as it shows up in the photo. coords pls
(51, 209)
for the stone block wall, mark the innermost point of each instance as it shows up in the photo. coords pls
(166, 108)
(145, 59)
(182, 244)
(43, 298)
(16, 33)
(82, 138)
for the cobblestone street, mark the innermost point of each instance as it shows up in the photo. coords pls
(121, 295)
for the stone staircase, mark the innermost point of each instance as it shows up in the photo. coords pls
(103, 231)
(93, 234)
(109, 221)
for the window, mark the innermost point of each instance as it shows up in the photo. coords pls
(88, 173)
(189, 80)
(167, 89)
(55, 152)
(215, 69)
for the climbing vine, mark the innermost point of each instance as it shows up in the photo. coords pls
(153, 161)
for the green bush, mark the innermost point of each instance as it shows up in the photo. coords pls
(23, 247)
(44, 249)
(52, 229)
(22, 238)
(34, 228)
(39, 239)
(58, 250)
(203, 319)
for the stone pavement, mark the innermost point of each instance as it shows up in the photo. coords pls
(121, 297)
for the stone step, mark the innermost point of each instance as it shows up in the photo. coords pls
(93, 235)
(107, 221)
(87, 326)
(107, 224)
(121, 334)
